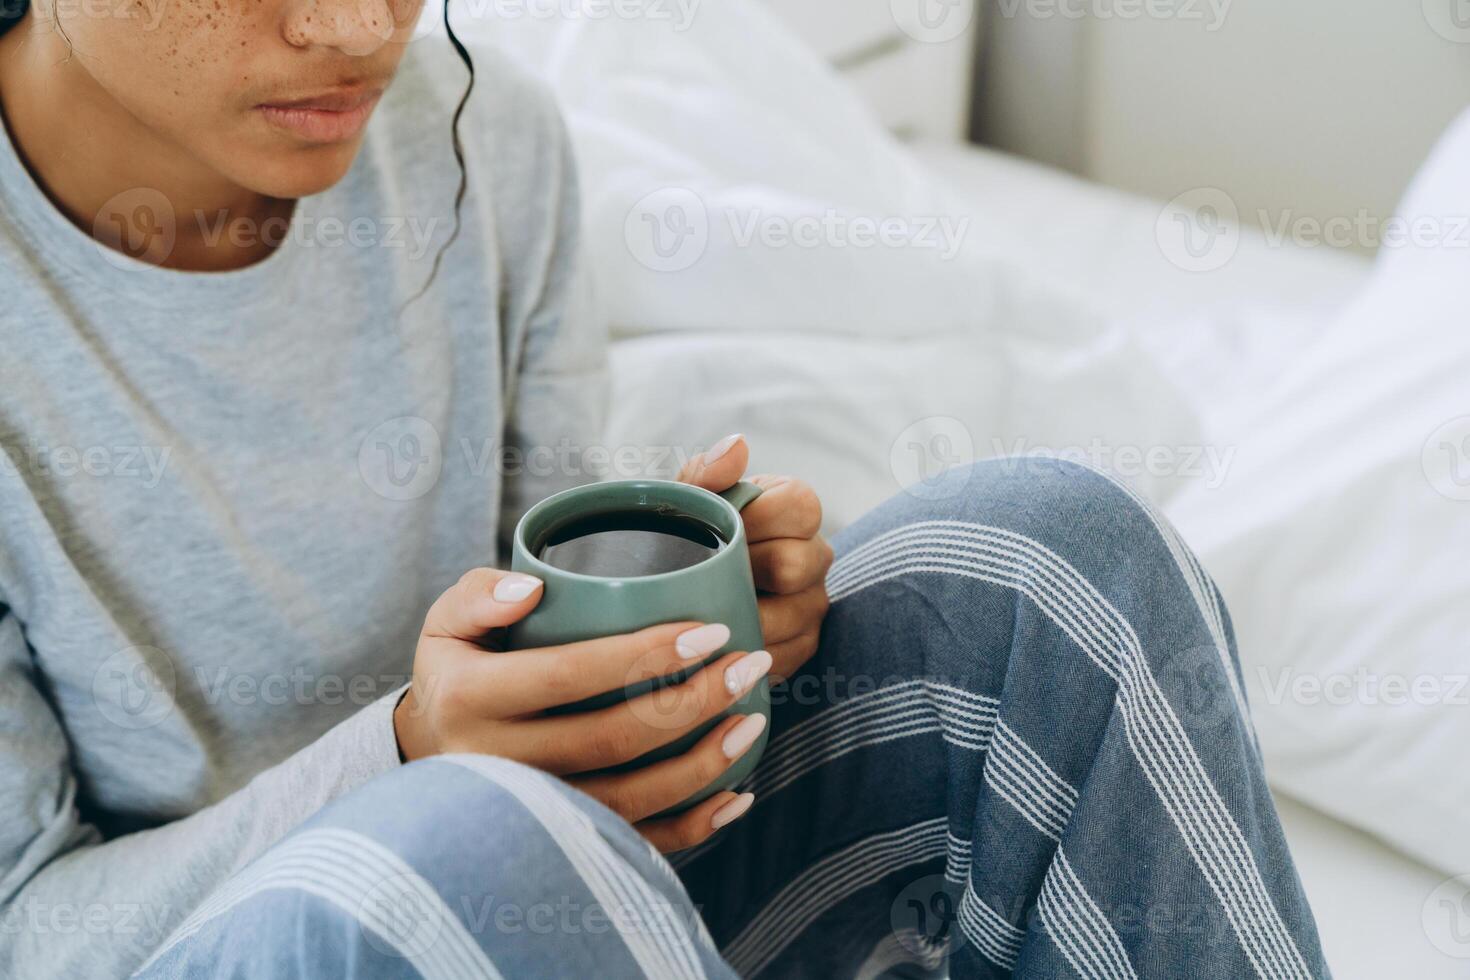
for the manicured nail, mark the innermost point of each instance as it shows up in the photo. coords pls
(743, 736)
(721, 448)
(514, 588)
(702, 640)
(732, 811)
(742, 675)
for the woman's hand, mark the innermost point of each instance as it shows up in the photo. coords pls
(788, 555)
(465, 698)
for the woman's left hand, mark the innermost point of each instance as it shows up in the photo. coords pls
(788, 554)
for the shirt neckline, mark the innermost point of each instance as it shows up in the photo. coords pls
(72, 251)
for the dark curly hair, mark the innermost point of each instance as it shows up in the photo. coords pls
(11, 11)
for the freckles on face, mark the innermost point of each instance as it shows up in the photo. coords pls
(197, 72)
(170, 59)
(210, 37)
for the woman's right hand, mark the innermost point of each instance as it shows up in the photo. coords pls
(465, 698)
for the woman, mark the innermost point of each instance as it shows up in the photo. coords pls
(274, 379)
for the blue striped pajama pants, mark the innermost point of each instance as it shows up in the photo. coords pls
(1021, 750)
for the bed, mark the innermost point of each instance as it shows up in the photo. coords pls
(1069, 319)
(1371, 900)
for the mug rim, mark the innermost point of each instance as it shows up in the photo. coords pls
(535, 566)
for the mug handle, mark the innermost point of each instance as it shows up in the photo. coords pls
(741, 494)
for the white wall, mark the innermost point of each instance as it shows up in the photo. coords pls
(1298, 108)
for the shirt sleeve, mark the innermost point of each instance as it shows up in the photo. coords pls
(556, 339)
(74, 905)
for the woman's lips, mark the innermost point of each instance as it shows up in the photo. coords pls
(323, 119)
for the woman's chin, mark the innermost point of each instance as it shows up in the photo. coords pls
(299, 172)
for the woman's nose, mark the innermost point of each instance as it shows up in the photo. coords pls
(354, 27)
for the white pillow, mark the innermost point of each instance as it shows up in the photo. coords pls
(862, 418)
(771, 185)
(1340, 540)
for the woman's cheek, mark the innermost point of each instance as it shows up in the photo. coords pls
(178, 66)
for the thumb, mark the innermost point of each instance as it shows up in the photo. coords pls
(719, 467)
(483, 600)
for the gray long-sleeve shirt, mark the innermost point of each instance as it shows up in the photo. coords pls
(227, 501)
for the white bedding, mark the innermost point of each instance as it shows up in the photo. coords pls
(1375, 908)
(833, 408)
(1060, 325)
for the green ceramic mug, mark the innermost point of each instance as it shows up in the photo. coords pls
(718, 589)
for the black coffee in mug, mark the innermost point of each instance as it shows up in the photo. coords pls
(630, 543)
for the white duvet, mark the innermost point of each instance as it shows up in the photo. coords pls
(1341, 539)
(863, 368)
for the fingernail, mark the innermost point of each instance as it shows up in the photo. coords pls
(514, 588)
(732, 811)
(702, 640)
(743, 736)
(721, 448)
(742, 675)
